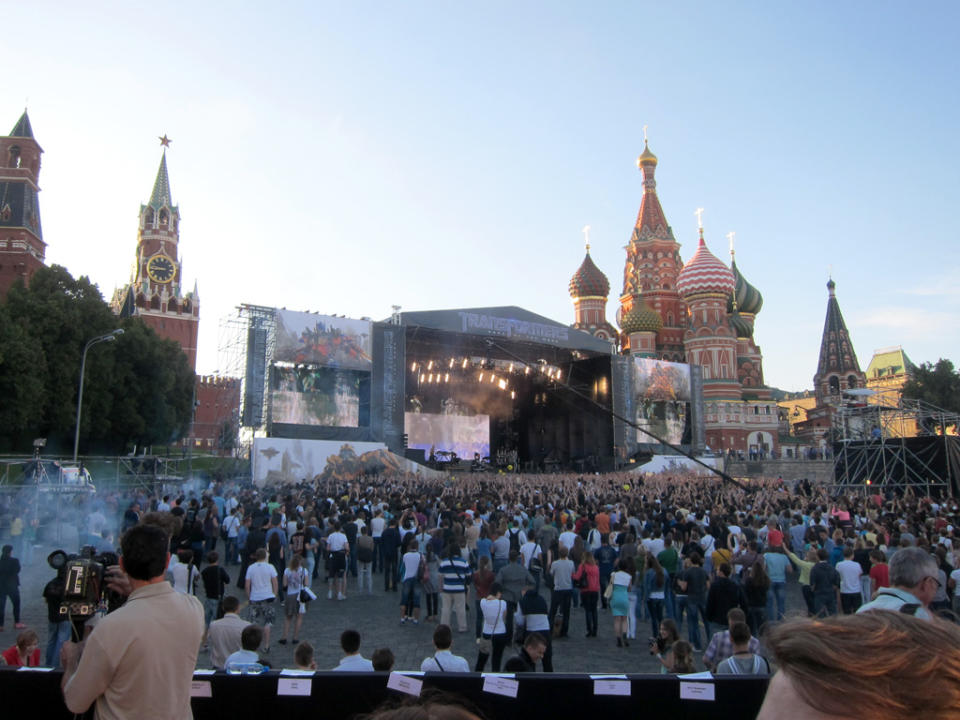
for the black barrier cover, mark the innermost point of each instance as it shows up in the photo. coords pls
(624, 436)
(336, 696)
(387, 398)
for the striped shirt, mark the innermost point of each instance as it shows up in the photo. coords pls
(455, 573)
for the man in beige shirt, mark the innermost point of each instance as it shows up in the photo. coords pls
(224, 634)
(139, 660)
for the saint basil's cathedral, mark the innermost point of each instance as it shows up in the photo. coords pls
(701, 312)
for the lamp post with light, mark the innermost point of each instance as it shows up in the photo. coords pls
(109, 337)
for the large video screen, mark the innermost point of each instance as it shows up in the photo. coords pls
(462, 434)
(306, 338)
(662, 399)
(320, 396)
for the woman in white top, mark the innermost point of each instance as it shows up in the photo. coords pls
(295, 578)
(494, 636)
(622, 581)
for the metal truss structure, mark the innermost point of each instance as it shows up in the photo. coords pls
(895, 442)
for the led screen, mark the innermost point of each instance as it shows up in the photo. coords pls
(462, 434)
(662, 395)
(318, 396)
(306, 338)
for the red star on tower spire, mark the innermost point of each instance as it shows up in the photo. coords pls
(165, 141)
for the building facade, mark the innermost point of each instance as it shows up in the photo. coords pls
(700, 312)
(22, 249)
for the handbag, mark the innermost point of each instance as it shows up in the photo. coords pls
(608, 593)
(486, 644)
(304, 595)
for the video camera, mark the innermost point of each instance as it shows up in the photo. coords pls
(84, 589)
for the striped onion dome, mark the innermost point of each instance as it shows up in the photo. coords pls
(749, 299)
(641, 318)
(704, 273)
(589, 280)
(742, 324)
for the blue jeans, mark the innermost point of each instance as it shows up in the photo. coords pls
(693, 610)
(410, 595)
(655, 605)
(777, 593)
(57, 634)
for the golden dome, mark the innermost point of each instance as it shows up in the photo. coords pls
(646, 157)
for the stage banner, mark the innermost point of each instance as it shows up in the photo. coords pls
(697, 411)
(387, 393)
(624, 436)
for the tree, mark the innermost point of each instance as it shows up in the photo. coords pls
(935, 384)
(138, 389)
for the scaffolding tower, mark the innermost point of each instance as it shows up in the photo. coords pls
(895, 443)
(246, 343)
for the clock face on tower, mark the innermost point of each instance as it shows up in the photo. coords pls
(161, 269)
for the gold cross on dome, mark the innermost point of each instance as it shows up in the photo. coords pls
(586, 236)
(645, 134)
(730, 236)
(699, 213)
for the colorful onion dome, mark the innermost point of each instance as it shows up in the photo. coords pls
(641, 318)
(646, 157)
(748, 298)
(704, 273)
(742, 325)
(589, 280)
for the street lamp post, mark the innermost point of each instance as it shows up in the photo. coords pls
(109, 337)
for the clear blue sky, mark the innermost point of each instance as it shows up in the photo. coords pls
(344, 157)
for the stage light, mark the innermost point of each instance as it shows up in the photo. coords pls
(513, 395)
(511, 367)
(502, 384)
(413, 367)
(451, 362)
(480, 379)
(430, 365)
(446, 378)
(526, 370)
(430, 377)
(558, 375)
(421, 377)
(464, 366)
(493, 378)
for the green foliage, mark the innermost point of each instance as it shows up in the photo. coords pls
(137, 389)
(935, 384)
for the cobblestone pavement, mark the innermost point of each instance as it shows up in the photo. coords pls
(377, 618)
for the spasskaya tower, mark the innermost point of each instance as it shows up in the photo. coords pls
(156, 289)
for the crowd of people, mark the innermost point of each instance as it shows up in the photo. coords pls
(523, 552)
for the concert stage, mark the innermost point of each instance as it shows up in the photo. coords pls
(480, 389)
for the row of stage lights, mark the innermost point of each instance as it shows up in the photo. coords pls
(438, 371)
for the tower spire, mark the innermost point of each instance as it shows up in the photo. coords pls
(837, 368)
(161, 186)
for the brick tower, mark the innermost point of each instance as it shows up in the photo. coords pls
(155, 293)
(838, 368)
(652, 266)
(22, 248)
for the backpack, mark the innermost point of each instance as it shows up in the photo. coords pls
(514, 539)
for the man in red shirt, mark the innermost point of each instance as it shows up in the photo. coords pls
(774, 535)
(879, 572)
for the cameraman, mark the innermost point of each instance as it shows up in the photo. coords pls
(139, 660)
